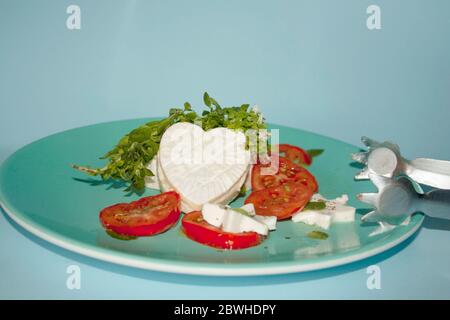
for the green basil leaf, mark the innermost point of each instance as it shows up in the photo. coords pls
(317, 235)
(119, 236)
(206, 99)
(315, 152)
(315, 205)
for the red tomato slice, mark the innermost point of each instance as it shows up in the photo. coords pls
(280, 201)
(295, 154)
(197, 229)
(145, 217)
(287, 171)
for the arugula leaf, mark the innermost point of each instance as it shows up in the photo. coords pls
(315, 152)
(128, 160)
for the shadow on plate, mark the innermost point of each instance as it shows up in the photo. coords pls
(436, 223)
(212, 280)
(110, 184)
(357, 165)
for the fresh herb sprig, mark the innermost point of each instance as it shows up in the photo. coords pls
(129, 159)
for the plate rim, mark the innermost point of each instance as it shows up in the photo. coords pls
(190, 267)
(195, 268)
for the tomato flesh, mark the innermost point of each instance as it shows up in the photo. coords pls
(295, 154)
(281, 201)
(197, 229)
(287, 172)
(145, 217)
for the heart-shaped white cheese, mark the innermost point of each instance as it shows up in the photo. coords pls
(203, 167)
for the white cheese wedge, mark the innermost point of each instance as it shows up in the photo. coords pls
(269, 221)
(249, 208)
(342, 199)
(203, 167)
(313, 217)
(342, 214)
(213, 214)
(237, 222)
(335, 211)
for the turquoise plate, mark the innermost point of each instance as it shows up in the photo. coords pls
(42, 193)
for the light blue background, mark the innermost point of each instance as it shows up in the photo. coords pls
(307, 64)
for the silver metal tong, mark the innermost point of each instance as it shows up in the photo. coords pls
(397, 179)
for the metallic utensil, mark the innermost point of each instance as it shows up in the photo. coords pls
(397, 199)
(384, 159)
